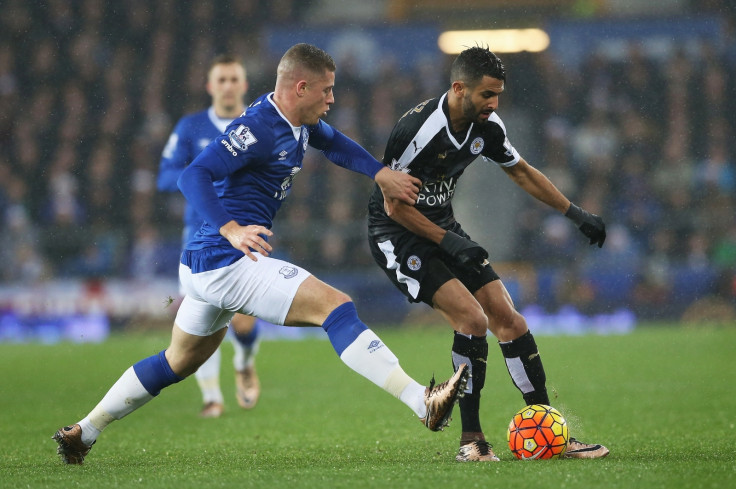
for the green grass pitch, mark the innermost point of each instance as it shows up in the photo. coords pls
(662, 399)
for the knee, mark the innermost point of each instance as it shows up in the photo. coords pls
(338, 298)
(509, 325)
(474, 322)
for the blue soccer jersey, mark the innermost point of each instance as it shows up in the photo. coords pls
(256, 160)
(191, 135)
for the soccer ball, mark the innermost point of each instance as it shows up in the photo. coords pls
(538, 432)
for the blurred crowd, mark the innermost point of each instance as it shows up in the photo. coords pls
(89, 93)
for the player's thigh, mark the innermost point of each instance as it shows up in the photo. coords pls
(263, 288)
(313, 302)
(504, 321)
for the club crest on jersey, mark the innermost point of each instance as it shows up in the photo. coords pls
(476, 146)
(305, 137)
(414, 263)
(241, 137)
(289, 272)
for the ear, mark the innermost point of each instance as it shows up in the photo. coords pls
(458, 88)
(301, 88)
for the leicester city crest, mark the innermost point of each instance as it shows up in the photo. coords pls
(476, 146)
(414, 263)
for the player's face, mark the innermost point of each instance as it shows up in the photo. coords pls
(317, 98)
(226, 85)
(482, 100)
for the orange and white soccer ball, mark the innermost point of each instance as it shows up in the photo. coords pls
(538, 432)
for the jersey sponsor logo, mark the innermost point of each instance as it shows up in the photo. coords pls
(241, 137)
(476, 146)
(229, 147)
(282, 155)
(374, 346)
(414, 263)
(438, 193)
(289, 271)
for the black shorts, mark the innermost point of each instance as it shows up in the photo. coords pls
(417, 267)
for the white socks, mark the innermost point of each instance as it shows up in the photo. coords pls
(208, 379)
(370, 357)
(124, 397)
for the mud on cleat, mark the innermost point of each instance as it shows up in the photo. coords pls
(476, 451)
(71, 449)
(440, 399)
(578, 449)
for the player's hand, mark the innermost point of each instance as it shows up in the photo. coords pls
(467, 252)
(589, 224)
(248, 238)
(398, 185)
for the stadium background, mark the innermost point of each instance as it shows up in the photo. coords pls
(631, 112)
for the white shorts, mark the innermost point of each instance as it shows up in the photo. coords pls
(263, 288)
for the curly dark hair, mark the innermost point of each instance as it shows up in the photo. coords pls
(474, 63)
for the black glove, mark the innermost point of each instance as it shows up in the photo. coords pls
(467, 252)
(589, 224)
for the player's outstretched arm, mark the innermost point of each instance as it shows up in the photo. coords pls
(536, 184)
(343, 151)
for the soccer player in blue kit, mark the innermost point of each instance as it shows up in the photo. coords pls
(226, 268)
(227, 84)
(429, 258)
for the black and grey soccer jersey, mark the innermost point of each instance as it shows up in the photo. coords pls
(423, 145)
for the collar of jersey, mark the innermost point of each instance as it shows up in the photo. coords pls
(297, 130)
(446, 114)
(220, 123)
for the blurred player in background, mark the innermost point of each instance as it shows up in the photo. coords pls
(428, 256)
(227, 84)
(238, 183)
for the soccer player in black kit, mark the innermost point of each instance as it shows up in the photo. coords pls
(428, 256)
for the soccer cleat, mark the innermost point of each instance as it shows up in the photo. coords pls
(440, 399)
(476, 451)
(71, 449)
(578, 449)
(212, 410)
(248, 387)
